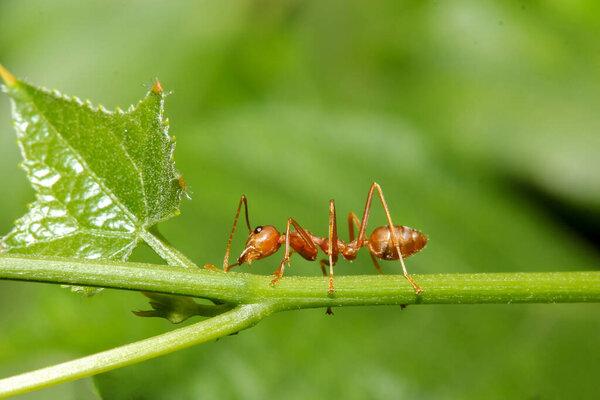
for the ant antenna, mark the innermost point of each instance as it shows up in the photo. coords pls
(226, 265)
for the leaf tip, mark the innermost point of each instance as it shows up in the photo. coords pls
(157, 87)
(7, 77)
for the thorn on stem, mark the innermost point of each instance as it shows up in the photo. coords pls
(157, 87)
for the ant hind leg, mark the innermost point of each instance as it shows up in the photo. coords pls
(395, 241)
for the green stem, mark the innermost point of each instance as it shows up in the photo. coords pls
(306, 292)
(233, 321)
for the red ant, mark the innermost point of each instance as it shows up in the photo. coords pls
(384, 243)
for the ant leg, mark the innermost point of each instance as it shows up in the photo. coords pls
(277, 271)
(377, 267)
(323, 263)
(352, 218)
(402, 306)
(226, 266)
(395, 242)
(333, 250)
(286, 258)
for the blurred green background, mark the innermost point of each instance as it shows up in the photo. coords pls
(479, 119)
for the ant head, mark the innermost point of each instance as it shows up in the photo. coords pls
(262, 242)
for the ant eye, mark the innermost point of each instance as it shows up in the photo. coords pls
(258, 229)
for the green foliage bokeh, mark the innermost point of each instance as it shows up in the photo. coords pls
(460, 110)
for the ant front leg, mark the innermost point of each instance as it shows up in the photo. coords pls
(311, 248)
(279, 271)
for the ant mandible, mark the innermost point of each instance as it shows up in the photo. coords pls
(384, 242)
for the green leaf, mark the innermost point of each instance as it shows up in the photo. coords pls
(102, 179)
(177, 309)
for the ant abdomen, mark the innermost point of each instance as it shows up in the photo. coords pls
(410, 240)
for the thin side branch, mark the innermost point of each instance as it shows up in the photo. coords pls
(233, 321)
(165, 249)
